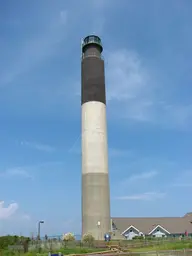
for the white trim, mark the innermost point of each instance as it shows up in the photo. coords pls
(129, 228)
(159, 226)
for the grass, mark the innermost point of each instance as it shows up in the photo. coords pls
(64, 251)
(165, 246)
(142, 247)
(79, 250)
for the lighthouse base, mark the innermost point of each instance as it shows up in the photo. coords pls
(95, 205)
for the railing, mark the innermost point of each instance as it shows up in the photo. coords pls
(91, 39)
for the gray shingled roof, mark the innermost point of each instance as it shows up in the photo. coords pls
(175, 225)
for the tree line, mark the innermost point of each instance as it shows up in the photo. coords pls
(9, 240)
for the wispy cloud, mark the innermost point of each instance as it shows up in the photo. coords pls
(125, 69)
(115, 152)
(138, 92)
(30, 172)
(38, 146)
(148, 196)
(64, 16)
(144, 175)
(16, 172)
(6, 212)
(25, 217)
(38, 48)
(141, 176)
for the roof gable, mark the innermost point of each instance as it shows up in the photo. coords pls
(130, 228)
(159, 226)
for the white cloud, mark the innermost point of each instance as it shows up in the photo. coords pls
(126, 76)
(148, 196)
(143, 175)
(129, 85)
(16, 172)
(28, 171)
(139, 177)
(132, 86)
(6, 212)
(38, 146)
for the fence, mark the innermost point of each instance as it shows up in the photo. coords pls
(150, 242)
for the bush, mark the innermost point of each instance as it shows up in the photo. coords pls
(6, 241)
(88, 238)
(68, 237)
(138, 238)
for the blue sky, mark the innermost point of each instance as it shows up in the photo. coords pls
(147, 51)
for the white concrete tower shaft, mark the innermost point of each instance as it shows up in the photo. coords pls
(95, 178)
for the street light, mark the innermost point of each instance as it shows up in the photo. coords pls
(39, 228)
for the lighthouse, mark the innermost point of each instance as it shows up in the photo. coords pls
(95, 178)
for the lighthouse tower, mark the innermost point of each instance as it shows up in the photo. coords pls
(95, 178)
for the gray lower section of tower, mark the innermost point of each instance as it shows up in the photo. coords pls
(95, 205)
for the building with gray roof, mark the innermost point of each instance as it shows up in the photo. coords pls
(153, 226)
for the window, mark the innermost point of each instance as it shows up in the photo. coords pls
(157, 230)
(131, 230)
(91, 38)
(86, 40)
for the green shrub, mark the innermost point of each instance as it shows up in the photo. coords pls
(138, 238)
(88, 239)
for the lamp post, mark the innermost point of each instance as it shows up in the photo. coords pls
(39, 228)
(39, 232)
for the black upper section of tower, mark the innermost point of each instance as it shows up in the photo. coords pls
(92, 71)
